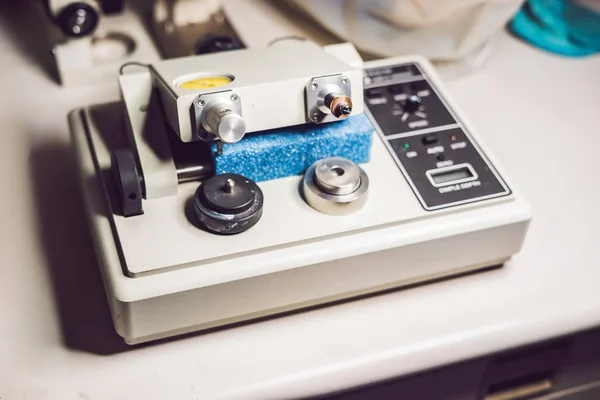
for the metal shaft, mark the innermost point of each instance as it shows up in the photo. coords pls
(193, 161)
(193, 172)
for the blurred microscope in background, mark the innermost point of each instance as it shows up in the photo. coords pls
(92, 38)
(80, 18)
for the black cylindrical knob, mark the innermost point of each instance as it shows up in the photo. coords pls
(412, 103)
(228, 204)
(78, 19)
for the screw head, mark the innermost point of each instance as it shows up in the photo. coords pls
(314, 86)
(201, 102)
(315, 117)
(344, 81)
(234, 97)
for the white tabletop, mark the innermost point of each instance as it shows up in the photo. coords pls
(537, 112)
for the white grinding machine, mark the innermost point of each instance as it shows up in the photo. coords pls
(237, 185)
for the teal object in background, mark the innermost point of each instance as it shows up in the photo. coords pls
(290, 151)
(559, 26)
(585, 26)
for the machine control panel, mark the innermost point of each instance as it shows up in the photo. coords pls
(436, 154)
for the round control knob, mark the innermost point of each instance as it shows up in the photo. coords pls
(223, 122)
(228, 204)
(78, 19)
(335, 186)
(412, 103)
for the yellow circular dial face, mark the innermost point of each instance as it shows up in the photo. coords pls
(205, 82)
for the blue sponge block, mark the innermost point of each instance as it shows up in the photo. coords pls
(278, 153)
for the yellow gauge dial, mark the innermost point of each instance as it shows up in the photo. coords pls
(205, 82)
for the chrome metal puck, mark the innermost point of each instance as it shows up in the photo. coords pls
(335, 186)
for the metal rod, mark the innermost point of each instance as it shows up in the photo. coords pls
(193, 172)
(193, 161)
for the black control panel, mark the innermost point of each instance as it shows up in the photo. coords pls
(431, 146)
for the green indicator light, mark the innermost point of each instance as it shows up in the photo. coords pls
(406, 145)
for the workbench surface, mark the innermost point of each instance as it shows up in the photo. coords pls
(538, 113)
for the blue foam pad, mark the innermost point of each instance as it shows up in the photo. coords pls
(290, 151)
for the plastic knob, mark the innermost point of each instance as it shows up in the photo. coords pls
(412, 103)
(78, 19)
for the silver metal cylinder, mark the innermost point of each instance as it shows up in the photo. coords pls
(337, 175)
(193, 172)
(193, 161)
(335, 186)
(221, 120)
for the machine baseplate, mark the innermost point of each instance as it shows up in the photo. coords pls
(165, 277)
(290, 234)
(165, 237)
